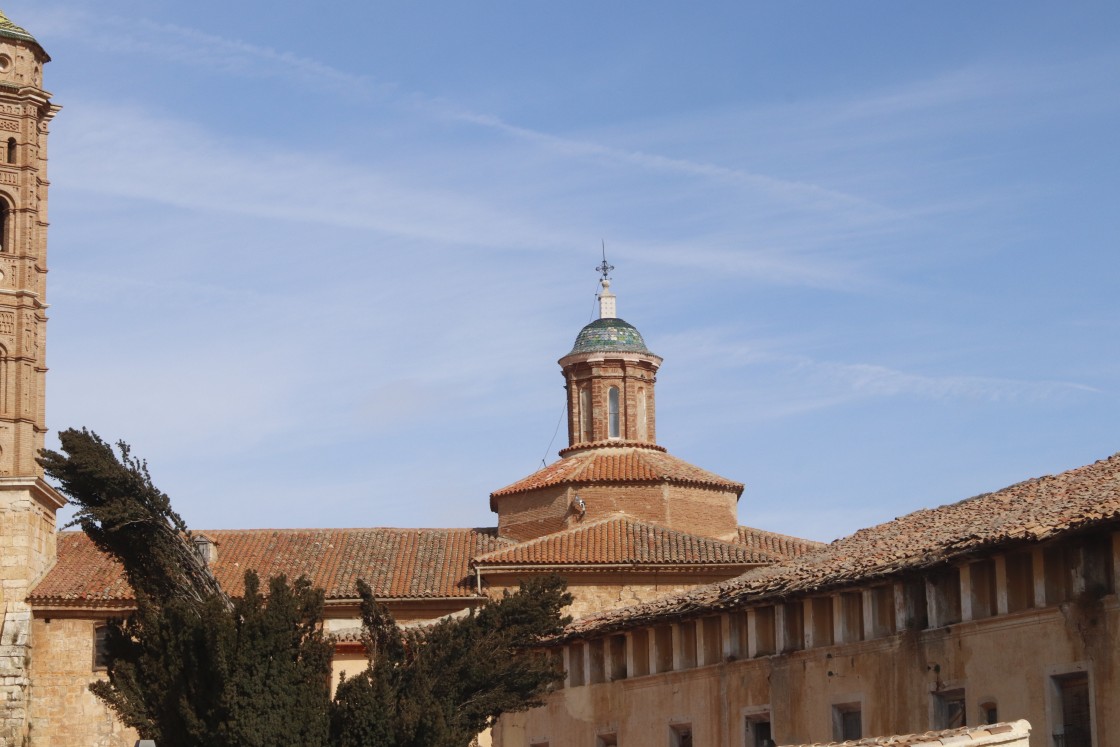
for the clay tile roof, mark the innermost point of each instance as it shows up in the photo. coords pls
(397, 563)
(975, 736)
(777, 546)
(1029, 511)
(621, 540)
(608, 462)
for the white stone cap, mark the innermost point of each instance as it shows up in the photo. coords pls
(607, 306)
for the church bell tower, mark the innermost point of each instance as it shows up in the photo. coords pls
(25, 111)
(27, 503)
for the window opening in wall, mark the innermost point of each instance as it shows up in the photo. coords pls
(757, 731)
(1020, 581)
(639, 639)
(822, 621)
(713, 641)
(847, 722)
(606, 740)
(101, 647)
(949, 709)
(612, 412)
(585, 413)
(982, 583)
(915, 604)
(11, 154)
(882, 611)
(1059, 562)
(595, 675)
(680, 735)
(575, 665)
(663, 645)
(943, 597)
(1096, 565)
(687, 634)
(538, 744)
(793, 626)
(851, 611)
(738, 623)
(1074, 727)
(989, 712)
(764, 634)
(617, 656)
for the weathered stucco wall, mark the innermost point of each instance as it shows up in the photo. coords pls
(1009, 660)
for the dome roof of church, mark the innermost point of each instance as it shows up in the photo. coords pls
(609, 335)
(12, 31)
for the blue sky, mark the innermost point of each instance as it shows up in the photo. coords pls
(317, 264)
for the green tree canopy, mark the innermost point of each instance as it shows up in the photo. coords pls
(192, 667)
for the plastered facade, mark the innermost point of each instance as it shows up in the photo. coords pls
(716, 673)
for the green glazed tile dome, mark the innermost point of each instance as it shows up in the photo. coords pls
(12, 31)
(609, 335)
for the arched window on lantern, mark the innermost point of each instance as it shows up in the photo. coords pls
(612, 413)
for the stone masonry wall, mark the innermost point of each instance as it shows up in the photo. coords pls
(27, 547)
(64, 711)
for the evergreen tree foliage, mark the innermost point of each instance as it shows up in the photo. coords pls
(192, 667)
(129, 518)
(440, 685)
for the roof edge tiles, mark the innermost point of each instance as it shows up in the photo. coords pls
(975, 736)
(1043, 508)
(623, 541)
(399, 563)
(614, 463)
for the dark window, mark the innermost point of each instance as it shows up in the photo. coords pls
(989, 713)
(680, 735)
(1020, 581)
(607, 740)
(949, 709)
(758, 732)
(847, 722)
(1075, 728)
(101, 647)
(11, 155)
(5, 211)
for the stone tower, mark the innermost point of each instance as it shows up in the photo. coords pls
(609, 375)
(27, 503)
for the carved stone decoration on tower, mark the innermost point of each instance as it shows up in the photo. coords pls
(27, 503)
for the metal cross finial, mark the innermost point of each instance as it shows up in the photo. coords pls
(605, 268)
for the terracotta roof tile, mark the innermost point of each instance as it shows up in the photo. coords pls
(976, 736)
(397, 563)
(623, 540)
(777, 546)
(1029, 511)
(617, 462)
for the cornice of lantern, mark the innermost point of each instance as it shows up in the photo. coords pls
(602, 356)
